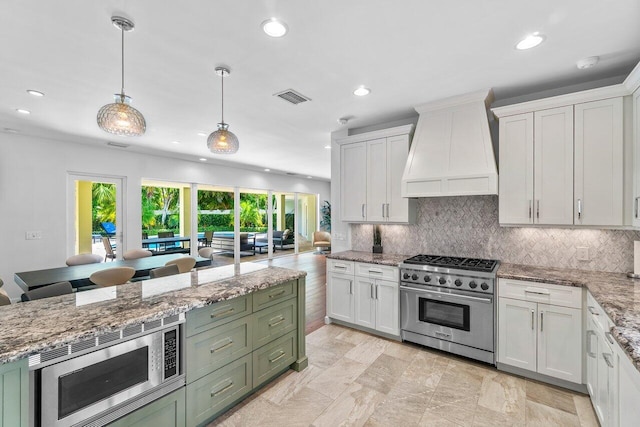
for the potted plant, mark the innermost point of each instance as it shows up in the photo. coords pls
(377, 240)
(325, 212)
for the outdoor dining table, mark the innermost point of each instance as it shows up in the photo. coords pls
(78, 275)
(154, 244)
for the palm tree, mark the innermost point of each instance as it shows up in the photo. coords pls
(103, 202)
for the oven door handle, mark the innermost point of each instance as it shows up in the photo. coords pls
(486, 300)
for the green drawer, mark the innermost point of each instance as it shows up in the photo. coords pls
(273, 322)
(274, 358)
(204, 318)
(168, 411)
(268, 297)
(210, 395)
(214, 348)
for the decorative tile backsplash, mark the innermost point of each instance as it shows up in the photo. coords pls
(468, 226)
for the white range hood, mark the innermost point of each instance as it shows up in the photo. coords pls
(451, 153)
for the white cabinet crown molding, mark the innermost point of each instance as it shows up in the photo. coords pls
(563, 100)
(485, 95)
(632, 82)
(384, 133)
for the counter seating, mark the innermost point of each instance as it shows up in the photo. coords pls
(82, 259)
(4, 298)
(54, 290)
(136, 254)
(184, 264)
(167, 270)
(112, 276)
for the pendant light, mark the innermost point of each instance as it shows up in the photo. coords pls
(120, 118)
(223, 141)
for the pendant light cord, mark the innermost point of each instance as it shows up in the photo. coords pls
(122, 32)
(222, 76)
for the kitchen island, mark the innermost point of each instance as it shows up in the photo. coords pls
(32, 330)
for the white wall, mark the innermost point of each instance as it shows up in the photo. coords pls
(33, 193)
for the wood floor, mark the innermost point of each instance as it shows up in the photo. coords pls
(315, 266)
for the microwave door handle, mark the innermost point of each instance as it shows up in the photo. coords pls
(486, 300)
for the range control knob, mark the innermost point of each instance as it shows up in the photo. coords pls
(458, 282)
(405, 276)
(484, 286)
(442, 280)
(414, 277)
(427, 278)
(473, 285)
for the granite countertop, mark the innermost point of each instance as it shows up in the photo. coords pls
(359, 256)
(618, 295)
(35, 326)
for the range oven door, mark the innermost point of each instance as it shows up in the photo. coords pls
(80, 388)
(457, 316)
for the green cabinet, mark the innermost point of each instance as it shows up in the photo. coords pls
(204, 318)
(271, 296)
(273, 322)
(14, 394)
(168, 411)
(273, 358)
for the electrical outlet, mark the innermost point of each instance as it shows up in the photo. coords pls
(582, 253)
(33, 235)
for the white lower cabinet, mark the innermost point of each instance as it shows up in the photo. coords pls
(369, 297)
(540, 337)
(627, 406)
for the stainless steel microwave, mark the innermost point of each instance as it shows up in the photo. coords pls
(110, 382)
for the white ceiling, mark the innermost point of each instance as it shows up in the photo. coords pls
(408, 52)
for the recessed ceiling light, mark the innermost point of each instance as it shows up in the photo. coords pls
(23, 111)
(9, 130)
(589, 62)
(267, 170)
(362, 91)
(202, 159)
(175, 142)
(35, 93)
(202, 134)
(274, 28)
(309, 176)
(532, 40)
(328, 147)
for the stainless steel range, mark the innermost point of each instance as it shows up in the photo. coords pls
(448, 303)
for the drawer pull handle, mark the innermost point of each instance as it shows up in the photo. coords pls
(224, 313)
(536, 291)
(280, 320)
(593, 311)
(277, 294)
(609, 337)
(375, 271)
(227, 345)
(282, 354)
(607, 359)
(224, 390)
(344, 267)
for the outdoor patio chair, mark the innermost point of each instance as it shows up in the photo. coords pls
(109, 228)
(53, 290)
(162, 234)
(167, 270)
(112, 276)
(184, 264)
(136, 254)
(109, 252)
(205, 252)
(82, 259)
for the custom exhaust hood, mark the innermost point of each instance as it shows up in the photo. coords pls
(451, 153)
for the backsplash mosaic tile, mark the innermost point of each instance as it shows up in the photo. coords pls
(468, 226)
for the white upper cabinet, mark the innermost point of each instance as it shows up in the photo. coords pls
(599, 163)
(353, 181)
(553, 166)
(636, 158)
(561, 161)
(371, 167)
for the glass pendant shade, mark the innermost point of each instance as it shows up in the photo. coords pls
(120, 118)
(223, 141)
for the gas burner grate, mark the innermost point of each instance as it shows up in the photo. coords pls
(474, 264)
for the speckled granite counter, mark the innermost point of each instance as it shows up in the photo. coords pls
(358, 256)
(27, 328)
(618, 295)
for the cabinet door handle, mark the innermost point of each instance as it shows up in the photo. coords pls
(227, 345)
(219, 392)
(538, 208)
(387, 210)
(371, 290)
(383, 210)
(351, 287)
(530, 208)
(533, 315)
(636, 207)
(579, 208)
(609, 337)
(214, 315)
(593, 311)
(607, 358)
(363, 210)
(589, 352)
(541, 321)
(376, 292)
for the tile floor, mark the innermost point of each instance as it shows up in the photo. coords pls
(356, 379)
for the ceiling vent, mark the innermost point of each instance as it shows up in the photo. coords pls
(117, 144)
(292, 96)
(291, 174)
